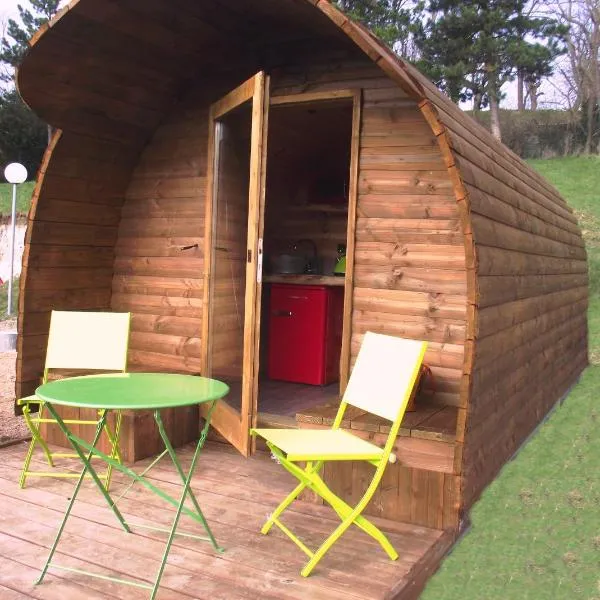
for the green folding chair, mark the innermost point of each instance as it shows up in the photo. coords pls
(381, 383)
(78, 341)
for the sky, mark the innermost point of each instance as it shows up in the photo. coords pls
(8, 9)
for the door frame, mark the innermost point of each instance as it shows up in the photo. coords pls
(257, 190)
(233, 425)
(354, 94)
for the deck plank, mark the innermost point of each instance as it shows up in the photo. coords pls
(236, 494)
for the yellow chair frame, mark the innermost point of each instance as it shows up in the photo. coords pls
(86, 341)
(384, 375)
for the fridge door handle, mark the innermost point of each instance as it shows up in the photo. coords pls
(282, 313)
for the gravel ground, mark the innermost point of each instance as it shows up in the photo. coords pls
(11, 428)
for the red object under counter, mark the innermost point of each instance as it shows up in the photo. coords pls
(305, 333)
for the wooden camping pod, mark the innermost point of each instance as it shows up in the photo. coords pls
(451, 237)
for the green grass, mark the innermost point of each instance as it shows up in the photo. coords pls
(24, 192)
(536, 530)
(578, 180)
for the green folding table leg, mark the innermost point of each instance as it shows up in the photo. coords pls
(87, 467)
(113, 440)
(186, 479)
(196, 514)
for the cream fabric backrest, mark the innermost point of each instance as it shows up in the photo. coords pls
(88, 340)
(384, 374)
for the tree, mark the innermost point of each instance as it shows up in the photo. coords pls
(580, 71)
(536, 61)
(471, 49)
(391, 20)
(16, 39)
(22, 134)
(13, 47)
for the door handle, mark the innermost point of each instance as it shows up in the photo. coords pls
(282, 313)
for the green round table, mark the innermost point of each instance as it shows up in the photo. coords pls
(133, 391)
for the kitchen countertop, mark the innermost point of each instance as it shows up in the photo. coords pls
(306, 279)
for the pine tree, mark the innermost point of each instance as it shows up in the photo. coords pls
(16, 41)
(23, 135)
(12, 50)
(390, 20)
(472, 47)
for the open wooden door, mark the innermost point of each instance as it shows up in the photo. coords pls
(233, 254)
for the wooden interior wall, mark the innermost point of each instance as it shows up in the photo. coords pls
(327, 228)
(307, 178)
(528, 331)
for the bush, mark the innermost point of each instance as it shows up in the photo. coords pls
(538, 134)
(4, 299)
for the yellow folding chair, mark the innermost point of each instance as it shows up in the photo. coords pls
(381, 383)
(86, 341)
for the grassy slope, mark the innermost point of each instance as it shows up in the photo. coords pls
(536, 530)
(24, 192)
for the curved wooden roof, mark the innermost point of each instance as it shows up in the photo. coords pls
(112, 69)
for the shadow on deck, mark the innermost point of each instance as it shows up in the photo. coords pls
(236, 495)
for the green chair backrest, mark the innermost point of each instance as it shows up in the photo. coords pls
(88, 340)
(384, 374)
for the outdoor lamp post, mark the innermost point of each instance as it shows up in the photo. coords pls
(15, 173)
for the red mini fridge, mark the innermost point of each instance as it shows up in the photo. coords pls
(305, 333)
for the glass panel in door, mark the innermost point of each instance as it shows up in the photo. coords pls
(233, 217)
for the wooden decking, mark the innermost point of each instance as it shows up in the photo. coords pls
(236, 495)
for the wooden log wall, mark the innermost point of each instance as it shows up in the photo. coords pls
(155, 277)
(410, 264)
(458, 242)
(69, 249)
(69, 245)
(418, 496)
(410, 270)
(420, 488)
(527, 335)
(87, 75)
(410, 275)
